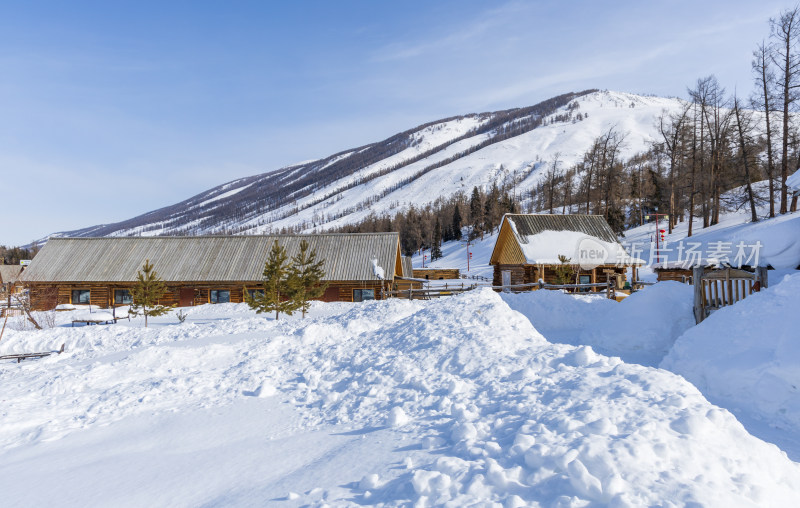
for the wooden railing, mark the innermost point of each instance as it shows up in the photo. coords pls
(436, 292)
(721, 288)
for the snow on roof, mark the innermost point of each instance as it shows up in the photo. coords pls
(794, 180)
(587, 240)
(579, 248)
(377, 270)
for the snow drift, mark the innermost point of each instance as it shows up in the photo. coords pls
(639, 329)
(747, 356)
(451, 402)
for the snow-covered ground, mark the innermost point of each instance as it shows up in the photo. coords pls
(746, 357)
(452, 402)
(640, 329)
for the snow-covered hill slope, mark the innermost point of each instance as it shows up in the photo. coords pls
(776, 242)
(453, 402)
(414, 167)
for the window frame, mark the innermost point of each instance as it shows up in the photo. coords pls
(360, 292)
(214, 294)
(251, 293)
(122, 300)
(79, 292)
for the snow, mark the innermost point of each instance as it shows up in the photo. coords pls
(222, 196)
(747, 356)
(793, 181)
(640, 329)
(377, 270)
(521, 159)
(771, 242)
(580, 248)
(455, 401)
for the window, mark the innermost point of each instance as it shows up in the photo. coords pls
(253, 292)
(80, 297)
(122, 297)
(220, 296)
(361, 295)
(585, 279)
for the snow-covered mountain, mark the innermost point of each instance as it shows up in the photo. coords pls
(417, 166)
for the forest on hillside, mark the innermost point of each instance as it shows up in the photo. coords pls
(706, 160)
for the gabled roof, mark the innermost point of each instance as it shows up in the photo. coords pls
(532, 224)
(9, 273)
(348, 257)
(408, 270)
(541, 238)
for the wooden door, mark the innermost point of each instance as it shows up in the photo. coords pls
(186, 297)
(331, 295)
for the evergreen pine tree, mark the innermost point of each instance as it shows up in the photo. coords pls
(476, 213)
(564, 271)
(490, 208)
(149, 289)
(436, 248)
(276, 292)
(457, 223)
(305, 277)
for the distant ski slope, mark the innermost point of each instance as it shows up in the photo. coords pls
(416, 167)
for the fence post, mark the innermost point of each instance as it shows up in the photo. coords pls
(762, 277)
(697, 277)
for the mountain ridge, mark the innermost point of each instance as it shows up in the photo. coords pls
(403, 169)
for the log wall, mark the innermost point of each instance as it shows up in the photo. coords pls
(437, 273)
(528, 274)
(47, 296)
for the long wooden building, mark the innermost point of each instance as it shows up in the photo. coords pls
(529, 245)
(203, 269)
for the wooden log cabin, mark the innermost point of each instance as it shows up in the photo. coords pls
(528, 248)
(203, 269)
(9, 274)
(407, 281)
(437, 273)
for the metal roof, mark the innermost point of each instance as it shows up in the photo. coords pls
(9, 273)
(207, 258)
(408, 270)
(592, 225)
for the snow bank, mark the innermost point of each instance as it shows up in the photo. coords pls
(639, 329)
(457, 401)
(747, 356)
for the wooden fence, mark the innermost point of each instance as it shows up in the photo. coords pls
(720, 288)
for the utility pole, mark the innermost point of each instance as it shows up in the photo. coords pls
(659, 232)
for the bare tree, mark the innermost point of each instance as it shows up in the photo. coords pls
(785, 31)
(671, 129)
(744, 127)
(762, 100)
(552, 176)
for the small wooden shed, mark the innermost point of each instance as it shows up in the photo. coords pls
(203, 269)
(529, 245)
(437, 273)
(9, 275)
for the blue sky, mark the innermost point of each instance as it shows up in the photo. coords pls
(112, 109)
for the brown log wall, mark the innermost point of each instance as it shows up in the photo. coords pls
(528, 274)
(436, 273)
(47, 296)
